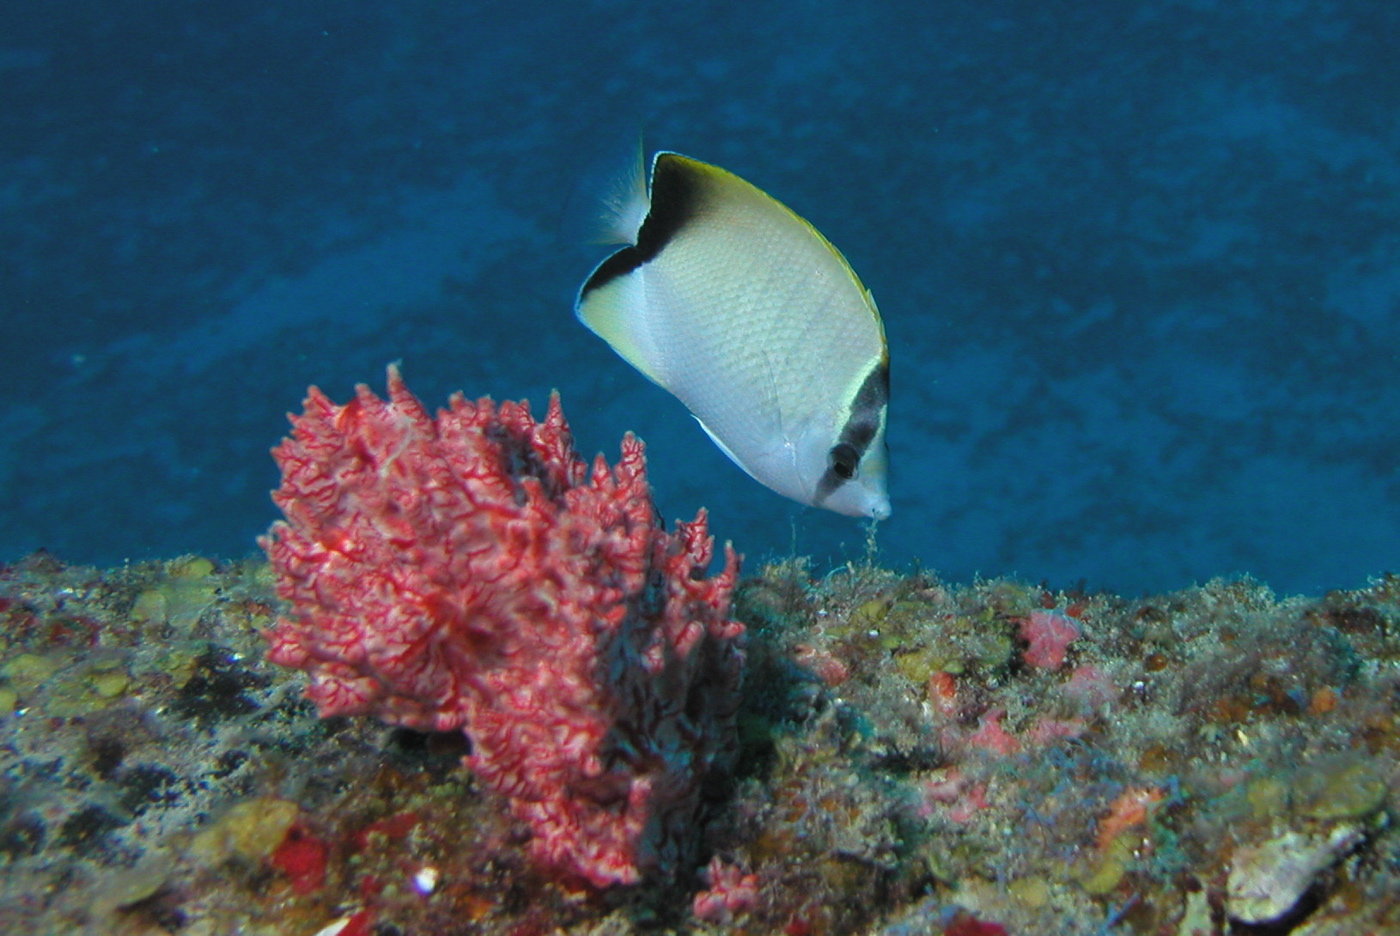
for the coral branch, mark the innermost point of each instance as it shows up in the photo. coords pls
(470, 571)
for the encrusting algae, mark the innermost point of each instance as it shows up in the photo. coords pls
(916, 757)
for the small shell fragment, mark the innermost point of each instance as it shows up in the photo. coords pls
(334, 929)
(425, 880)
(1266, 881)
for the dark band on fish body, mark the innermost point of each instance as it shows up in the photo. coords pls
(866, 416)
(675, 196)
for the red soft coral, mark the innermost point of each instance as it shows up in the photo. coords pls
(471, 572)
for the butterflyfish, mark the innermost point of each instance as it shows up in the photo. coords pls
(728, 299)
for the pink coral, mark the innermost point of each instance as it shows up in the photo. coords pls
(990, 736)
(965, 924)
(471, 572)
(1049, 635)
(1089, 685)
(732, 892)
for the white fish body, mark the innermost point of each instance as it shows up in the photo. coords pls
(739, 307)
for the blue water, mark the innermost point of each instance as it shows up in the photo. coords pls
(1139, 263)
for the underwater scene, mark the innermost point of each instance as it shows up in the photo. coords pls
(957, 492)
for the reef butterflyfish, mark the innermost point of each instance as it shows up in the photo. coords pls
(740, 308)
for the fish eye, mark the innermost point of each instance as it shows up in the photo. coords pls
(844, 460)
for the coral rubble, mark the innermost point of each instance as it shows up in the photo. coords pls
(1215, 760)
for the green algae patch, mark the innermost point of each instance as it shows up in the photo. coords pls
(1344, 787)
(249, 830)
(26, 672)
(186, 590)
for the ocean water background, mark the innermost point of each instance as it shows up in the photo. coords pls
(1139, 263)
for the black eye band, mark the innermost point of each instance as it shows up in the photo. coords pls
(867, 415)
(845, 459)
